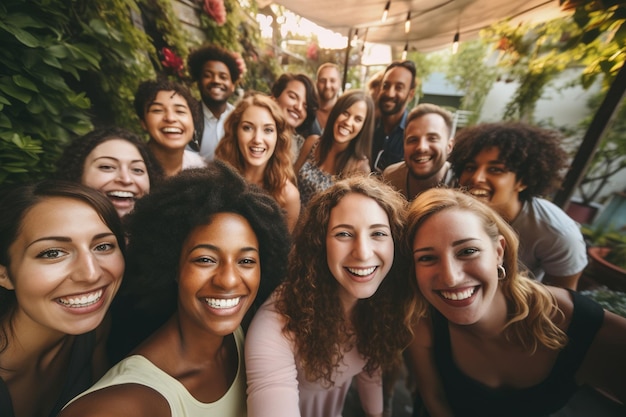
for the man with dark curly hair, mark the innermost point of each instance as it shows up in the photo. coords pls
(510, 166)
(216, 72)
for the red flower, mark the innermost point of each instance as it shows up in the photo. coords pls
(172, 61)
(216, 9)
(241, 64)
(311, 52)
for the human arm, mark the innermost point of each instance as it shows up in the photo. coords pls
(304, 152)
(370, 391)
(604, 366)
(270, 367)
(567, 281)
(291, 198)
(421, 362)
(129, 400)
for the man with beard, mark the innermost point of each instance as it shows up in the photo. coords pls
(216, 72)
(427, 142)
(328, 87)
(398, 88)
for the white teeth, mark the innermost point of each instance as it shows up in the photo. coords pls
(294, 115)
(222, 302)
(121, 194)
(457, 296)
(362, 272)
(255, 149)
(171, 130)
(478, 192)
(84, 301)
(343, 131)
(422, 159)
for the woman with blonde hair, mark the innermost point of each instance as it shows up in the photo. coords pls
(492, 341)
(257, 143)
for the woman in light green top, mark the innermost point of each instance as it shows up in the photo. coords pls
(217, 240)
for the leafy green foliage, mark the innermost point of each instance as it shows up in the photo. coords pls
(39, 111)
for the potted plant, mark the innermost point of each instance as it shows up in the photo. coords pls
(607, 257)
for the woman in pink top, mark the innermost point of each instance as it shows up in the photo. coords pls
(344, 311)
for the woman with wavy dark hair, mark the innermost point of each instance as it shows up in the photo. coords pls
(114, 161)
(491, 341)
(217, 246)
(344, 311)
(256, 142)
(61, 265)
(296, 95)
(342, 150)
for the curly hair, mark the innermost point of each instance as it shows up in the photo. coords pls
(534, 154)
(361, 146)
(309, 298)
(531, 306)
(197, 59)
(279, 168)
(312, 100)
(162, 221)
(148, 90)
(17, 201)
(71, 164)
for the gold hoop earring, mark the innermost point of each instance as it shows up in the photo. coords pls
(501, 272)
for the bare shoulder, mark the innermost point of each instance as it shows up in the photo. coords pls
(290, 191)
(131, 400)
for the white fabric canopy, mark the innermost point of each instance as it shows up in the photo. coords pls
(433, 22)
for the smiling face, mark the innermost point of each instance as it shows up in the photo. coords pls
(456, 266)
(427, 144)
(395, 91)
(215, 84)
(257, 136)
(117, 169)
(293, 103)
(488, 179)
(359, 247)
(65, 267)
(328, 84)
(349, 123)
(219, 274)
(169, 121)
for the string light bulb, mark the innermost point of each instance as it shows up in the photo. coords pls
(455, 43)
(386, 11)
(407, 24)
(406, 50)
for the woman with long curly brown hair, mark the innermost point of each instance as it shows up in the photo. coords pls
(344, 310)
(257, 142)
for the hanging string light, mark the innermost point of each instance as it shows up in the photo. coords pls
(407, 24)
(406, 50)
(455, 42)
(386, 11)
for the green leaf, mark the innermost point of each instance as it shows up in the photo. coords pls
(7, 87)
(24, 82)
(21, 35)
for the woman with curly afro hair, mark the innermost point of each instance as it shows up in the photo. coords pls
(217, 245)
(115, 162)
(510, 166)
(344, 311)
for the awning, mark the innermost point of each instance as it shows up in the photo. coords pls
(433, 22)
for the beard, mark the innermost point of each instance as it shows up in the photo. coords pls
(397, 108)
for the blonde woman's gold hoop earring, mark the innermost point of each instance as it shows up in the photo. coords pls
(501, 273)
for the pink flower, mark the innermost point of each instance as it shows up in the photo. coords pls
(172, 61)
(216, 9)
(241, 64)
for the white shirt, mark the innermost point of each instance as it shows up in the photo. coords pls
(213, 131)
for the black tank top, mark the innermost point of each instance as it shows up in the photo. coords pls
(468, 397)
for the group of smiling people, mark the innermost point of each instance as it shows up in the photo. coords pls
(132, 286)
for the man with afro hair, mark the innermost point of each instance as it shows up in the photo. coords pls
(216, 72)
